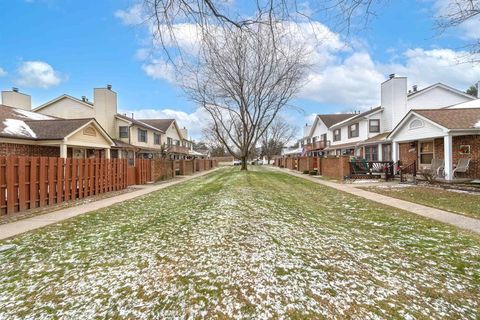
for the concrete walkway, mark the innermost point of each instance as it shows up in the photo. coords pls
(457, 220)
(14, 228)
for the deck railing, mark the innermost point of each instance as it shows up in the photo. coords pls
(371, 169)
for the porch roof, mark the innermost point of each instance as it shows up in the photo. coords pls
(466, 118)
(375, 139)
(342, 146)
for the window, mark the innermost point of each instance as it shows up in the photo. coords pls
(169, 141)
(324, 137)
(415, 124)
(387, 152)
(371, 153)
(353, 130)
(374, 125)
(156, 138)
(426, 152)
(123, 132)
(142, 135)
(337, 135)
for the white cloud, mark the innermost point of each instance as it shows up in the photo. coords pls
(194, 122)
(37, 74)
(2, 72)
(131, 16)
(426, 67)
(160, 69)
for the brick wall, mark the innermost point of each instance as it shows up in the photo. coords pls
(335, 167)
(13, 149)
(474, 142)
(408, 153)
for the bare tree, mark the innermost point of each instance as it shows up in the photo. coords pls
(243, 79)
(277, 135)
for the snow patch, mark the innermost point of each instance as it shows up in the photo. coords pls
(478, 124)
(18, 127)
(32, 115)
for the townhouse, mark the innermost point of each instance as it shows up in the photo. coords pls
(352, 134)
(23, 132)
(133, 137)
(109, 133)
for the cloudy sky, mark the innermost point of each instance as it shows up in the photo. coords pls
(51, 47)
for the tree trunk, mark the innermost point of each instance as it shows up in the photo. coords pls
(244, 163)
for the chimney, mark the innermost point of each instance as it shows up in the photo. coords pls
(132, 115)
(16, 99)
(393, 101)
(105, 106)
(391, 76)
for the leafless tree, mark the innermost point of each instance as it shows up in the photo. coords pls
(456, 13)
(243, 79)
(277, 135)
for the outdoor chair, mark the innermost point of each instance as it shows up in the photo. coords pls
(462, 166)
(438, 167)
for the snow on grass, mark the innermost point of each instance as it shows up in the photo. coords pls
(255, 245)
(18, 128)
(33, 115)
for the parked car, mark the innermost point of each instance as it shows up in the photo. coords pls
(257, 162)
(237, 162)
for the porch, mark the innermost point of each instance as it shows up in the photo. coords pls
(449, 158)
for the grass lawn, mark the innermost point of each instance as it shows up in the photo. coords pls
(253, 245)
(450, 200)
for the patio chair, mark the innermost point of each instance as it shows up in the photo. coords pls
(462, 166)
(438, 167)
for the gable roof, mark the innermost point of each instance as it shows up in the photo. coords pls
(161, 124)
(358, 116)
(140, 123)
(22, 124)
(63, 96)
(447, 119)
(332, 119)
(455, 119)
(439, 85)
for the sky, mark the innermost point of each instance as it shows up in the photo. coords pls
(54, 47)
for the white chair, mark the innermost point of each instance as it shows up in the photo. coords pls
(462, 166)
(438, 167)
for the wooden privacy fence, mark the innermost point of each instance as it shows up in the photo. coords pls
(32, 182)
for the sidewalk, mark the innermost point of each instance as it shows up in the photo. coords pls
(15, 228)
(454, 219)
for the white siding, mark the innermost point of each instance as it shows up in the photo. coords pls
(435, 98)
(426, 131)
(69, 109)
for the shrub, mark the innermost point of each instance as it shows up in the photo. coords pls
(313, 172)
(305, 171)
(429, 176)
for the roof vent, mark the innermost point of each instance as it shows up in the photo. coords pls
(14, 89)
(84, 99)
(392, 75)
(109, 86)
(415, 88)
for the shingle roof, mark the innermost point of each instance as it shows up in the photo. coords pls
(140, 123)
(466, 118)
(360, 115)
(331, 119)
(375, 139)
(161, 124)
(23, 124)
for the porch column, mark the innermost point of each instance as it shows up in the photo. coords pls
(448, 156)
(380, 153)
(63, 151)
(107, 153)
(395, 151)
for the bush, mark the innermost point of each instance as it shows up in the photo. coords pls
(313, 172)
(306, 172)
(429, 176)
